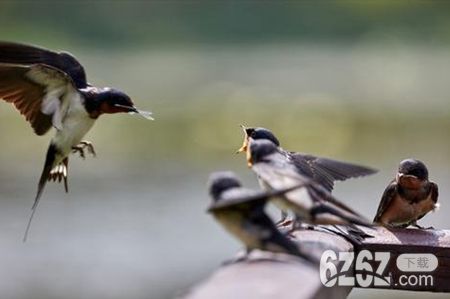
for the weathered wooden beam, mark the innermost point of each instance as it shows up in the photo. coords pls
(267, 276)
(412, 241)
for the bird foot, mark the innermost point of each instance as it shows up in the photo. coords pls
(238, 259)
(422, 227)
(80, 147)
(296, 225)
(284, 222)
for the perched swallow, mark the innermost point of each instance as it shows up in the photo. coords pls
(322, 170)
(409, 197)
(50, 89)
(312, 204)
(241, 212)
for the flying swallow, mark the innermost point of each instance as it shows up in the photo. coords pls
(241, 212)
(51, 90)
(409, 197)
(312, 204)
(322, 170)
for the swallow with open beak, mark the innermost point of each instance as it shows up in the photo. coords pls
(50, 89)
(312, 204)
(322, 170)
(409, 197)
(241, 212)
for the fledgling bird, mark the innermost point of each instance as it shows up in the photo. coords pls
(241, 212)
(313, 204)
(322, 170)
(51, 90)
(409, 197)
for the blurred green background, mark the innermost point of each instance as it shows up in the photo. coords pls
(364, 81)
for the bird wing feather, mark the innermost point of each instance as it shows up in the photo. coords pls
(386, 199)
(14, 53)
(37, 91)
(434, 192)
(315, 196)
(325, 171)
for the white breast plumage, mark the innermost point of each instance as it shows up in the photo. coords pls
(76, 122)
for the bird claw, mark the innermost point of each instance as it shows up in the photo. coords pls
(76, 149)
(283, 220)
(421, 227)
(284, 223)
(289, 227)
(80, 147)
(296, 225)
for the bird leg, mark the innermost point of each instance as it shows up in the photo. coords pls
(284, 216)
(80, 147)
(296, 225)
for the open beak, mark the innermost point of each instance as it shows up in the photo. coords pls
(134, 110)
(406, 176)
(409, 181)
(245, 143)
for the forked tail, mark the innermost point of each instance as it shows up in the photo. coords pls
(49, 161)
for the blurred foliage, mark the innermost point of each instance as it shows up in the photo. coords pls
(358, 102)
(131, 23)
(364, 81)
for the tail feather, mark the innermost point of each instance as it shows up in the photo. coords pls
(48, 165)
(351, 232)
(322, 194)
(65, 173)
(279, 240)
(59, 173)
(342, 216)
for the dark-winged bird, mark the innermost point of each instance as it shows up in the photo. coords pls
(322, 170)
(241, 212)
(409, 197)
(50, 89)
(312, 204)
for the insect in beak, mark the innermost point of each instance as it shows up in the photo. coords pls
(134, 110)
(245, 143)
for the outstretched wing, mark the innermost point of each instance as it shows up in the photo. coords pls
(279, 178)
(14, 53)
(317, 201)
(325, 171)
(37, 91)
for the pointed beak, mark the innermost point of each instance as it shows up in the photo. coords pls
(245, 143)
(131, 109)
(134, 110)
(409, 181)
(402, 176)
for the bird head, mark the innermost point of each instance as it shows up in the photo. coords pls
(259, 150)
(115, 101)
(256, 134)
(220, 182)
(412, 173)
